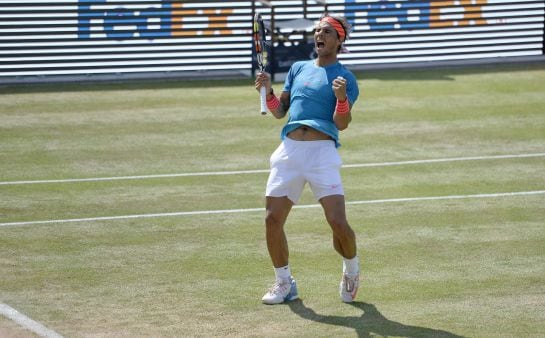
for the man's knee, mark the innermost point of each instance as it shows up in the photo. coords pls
(340, 226)
(273, 221)
(277, 210)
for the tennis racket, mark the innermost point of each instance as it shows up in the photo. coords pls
(261, 56)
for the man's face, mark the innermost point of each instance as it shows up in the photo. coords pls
(326, 40)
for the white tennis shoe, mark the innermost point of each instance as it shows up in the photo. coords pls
(348, 287)
(281, 291)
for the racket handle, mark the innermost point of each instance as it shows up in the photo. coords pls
(263, 99)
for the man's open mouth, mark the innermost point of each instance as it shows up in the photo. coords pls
(320, 44)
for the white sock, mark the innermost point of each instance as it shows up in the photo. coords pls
(282, 273)
(351, 267)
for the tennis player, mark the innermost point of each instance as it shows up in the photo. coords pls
(319, 95)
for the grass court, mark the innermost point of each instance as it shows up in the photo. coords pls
(137, 209)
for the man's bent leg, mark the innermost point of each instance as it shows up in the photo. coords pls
(344, 239)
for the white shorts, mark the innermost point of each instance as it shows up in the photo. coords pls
(295, 163)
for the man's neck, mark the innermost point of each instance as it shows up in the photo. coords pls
(326, 61)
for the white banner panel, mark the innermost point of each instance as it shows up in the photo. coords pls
(83, 37)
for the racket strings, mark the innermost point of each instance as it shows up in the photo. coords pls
(259, 42)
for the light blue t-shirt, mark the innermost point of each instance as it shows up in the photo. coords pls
(312, 100)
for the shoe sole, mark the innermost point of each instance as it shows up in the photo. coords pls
(287, 299)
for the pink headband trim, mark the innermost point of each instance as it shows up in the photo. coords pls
(336, 25)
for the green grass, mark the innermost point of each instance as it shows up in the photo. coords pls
(456, 267)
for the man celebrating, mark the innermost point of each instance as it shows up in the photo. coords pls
(319, 95)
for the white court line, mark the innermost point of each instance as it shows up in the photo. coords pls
(441, 160)
(232, 211)
(26, 322)
(261, 171)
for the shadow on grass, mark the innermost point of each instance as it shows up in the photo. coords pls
(371, 322)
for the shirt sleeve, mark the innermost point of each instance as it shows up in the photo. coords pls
(352, 90)
(289, 80)
(290, 77)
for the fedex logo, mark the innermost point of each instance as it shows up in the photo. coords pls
(391, 15)
(110, 19)
(103, 18)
